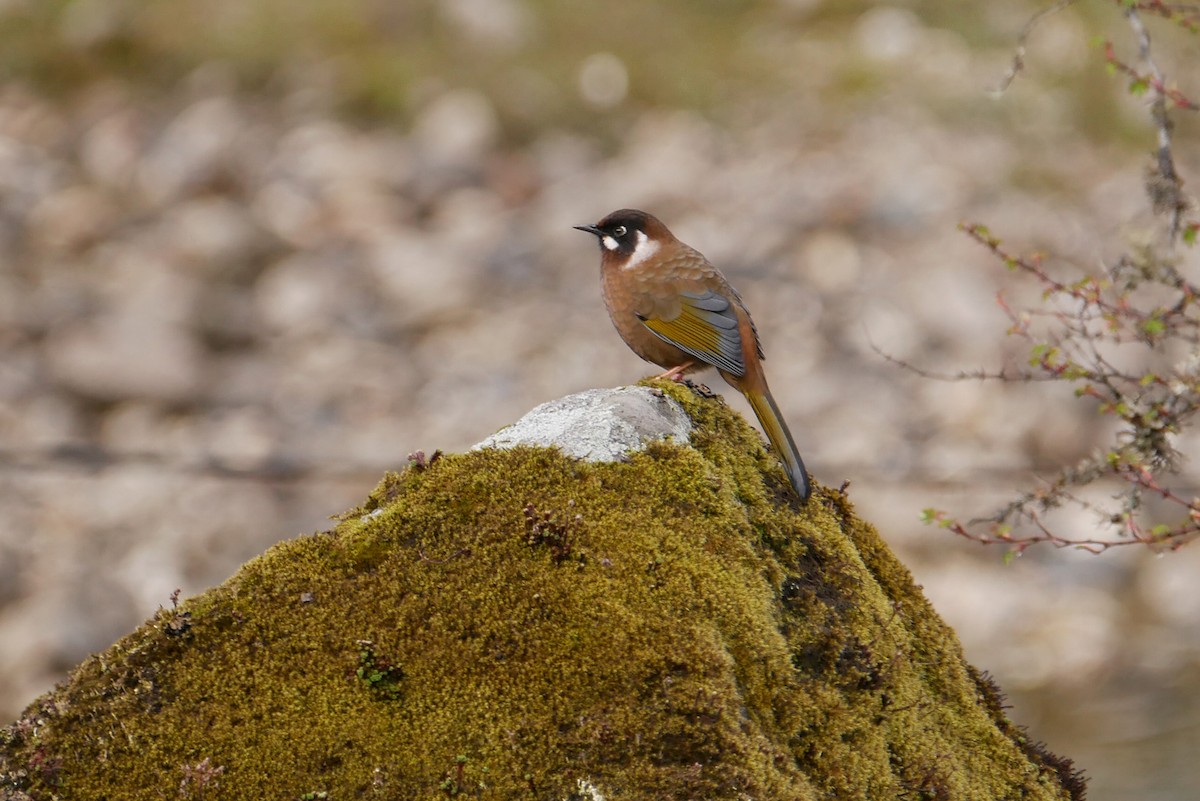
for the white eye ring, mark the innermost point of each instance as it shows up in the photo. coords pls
(619, 231)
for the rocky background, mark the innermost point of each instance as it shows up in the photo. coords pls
(254, 254)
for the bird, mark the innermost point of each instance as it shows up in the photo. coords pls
(675, 309)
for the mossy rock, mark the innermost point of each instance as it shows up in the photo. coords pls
(675, 629)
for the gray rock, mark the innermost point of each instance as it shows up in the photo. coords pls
(599, 425)
(126, 358)
(192, 150)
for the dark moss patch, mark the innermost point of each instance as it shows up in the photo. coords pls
(670, 630)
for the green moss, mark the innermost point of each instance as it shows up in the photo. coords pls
(695, 638)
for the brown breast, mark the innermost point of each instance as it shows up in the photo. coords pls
(651, 291)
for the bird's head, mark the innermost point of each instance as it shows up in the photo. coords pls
(629, 237)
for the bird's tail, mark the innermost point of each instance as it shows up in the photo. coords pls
(781, 439)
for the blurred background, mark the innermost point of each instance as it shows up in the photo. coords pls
(255, 252)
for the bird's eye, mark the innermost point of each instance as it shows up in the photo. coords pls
(619, 231)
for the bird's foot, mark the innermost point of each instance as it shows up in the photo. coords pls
(676, 373)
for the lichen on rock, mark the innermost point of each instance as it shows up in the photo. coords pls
(517, 624)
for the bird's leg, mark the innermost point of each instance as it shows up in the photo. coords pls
(676, 373)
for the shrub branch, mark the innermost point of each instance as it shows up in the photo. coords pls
(1089, 328)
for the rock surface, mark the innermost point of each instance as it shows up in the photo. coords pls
(599, 425)
(516, 623)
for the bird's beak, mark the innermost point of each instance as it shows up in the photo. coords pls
(591, 229)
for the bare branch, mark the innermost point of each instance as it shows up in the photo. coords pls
(1166, 188)
(964, 375)
(1018, 61)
